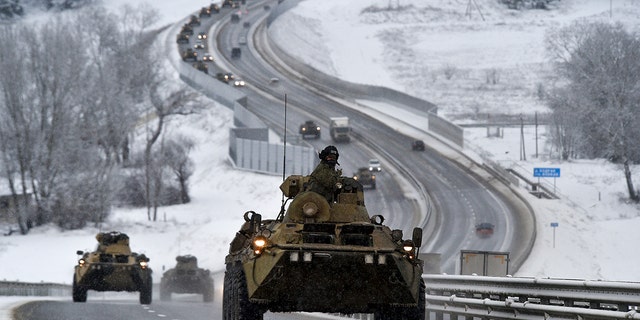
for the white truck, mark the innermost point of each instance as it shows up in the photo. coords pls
(339, 129)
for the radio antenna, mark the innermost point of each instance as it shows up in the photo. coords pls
(284, 159)
(284, 154)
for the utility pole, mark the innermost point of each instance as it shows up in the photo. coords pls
(536, 126)
(523, 154)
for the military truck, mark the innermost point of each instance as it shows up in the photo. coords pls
(366, 178)
(236, 52)
(225, 77)
(228, 3)
(201, 66)
(214, 8)
(235, 18)
(190, 55)
(194, 21)
(187, 29)
(310, 129)
(186, 277)
(323, 256)
(112, 267)
(182, 38)
(205, 12)
(339, 129)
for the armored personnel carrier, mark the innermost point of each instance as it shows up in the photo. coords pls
(323, 256)
(186, 277)
(309, 129)
(366, 178)
(190, 55)
(202, 66)
(112, 267)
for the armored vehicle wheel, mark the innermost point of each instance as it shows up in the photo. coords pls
(411, 313)
(236, 304)
(79, 292)
(146, 291)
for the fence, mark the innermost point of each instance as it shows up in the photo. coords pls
(15, 288)
(529, 298)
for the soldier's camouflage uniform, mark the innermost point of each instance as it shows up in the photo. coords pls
(323, 180)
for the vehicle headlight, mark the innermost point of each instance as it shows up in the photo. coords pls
(81, 262)
(409, 248)
(259, 243)
(407, 245)
(143, 264)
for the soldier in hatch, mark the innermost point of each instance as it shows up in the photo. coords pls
(325, 176)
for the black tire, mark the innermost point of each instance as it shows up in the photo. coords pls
(236, 304)
(383, 314)
(79, 292)
(417, 312)
(411, 313)
(146, 291)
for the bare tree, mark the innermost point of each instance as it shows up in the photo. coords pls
(71, 93)
(178, 102)
(600, 65)
(16, 123)
(58, 67)
(176, 157)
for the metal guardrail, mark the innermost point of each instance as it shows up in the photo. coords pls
(530, 298)
(454, 296)
(43, 289)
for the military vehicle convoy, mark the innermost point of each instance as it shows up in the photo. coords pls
(186, 277)
(323, 256)
(112, 267)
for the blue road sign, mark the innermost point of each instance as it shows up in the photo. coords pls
(546, 172)
(554, 224)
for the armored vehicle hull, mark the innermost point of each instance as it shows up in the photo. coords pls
(323, 257)
(365, 177)
(186, 277)
(112, 267)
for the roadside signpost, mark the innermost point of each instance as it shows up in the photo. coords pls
(554, 225)
(547, 173)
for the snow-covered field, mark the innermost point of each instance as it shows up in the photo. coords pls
(413, 50)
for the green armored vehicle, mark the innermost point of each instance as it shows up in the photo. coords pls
(186, 277)
(112, 267)
(365, 177)
(323, 256)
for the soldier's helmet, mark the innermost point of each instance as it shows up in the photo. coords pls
(329, 155)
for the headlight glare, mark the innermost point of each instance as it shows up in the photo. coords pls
(259, 244)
